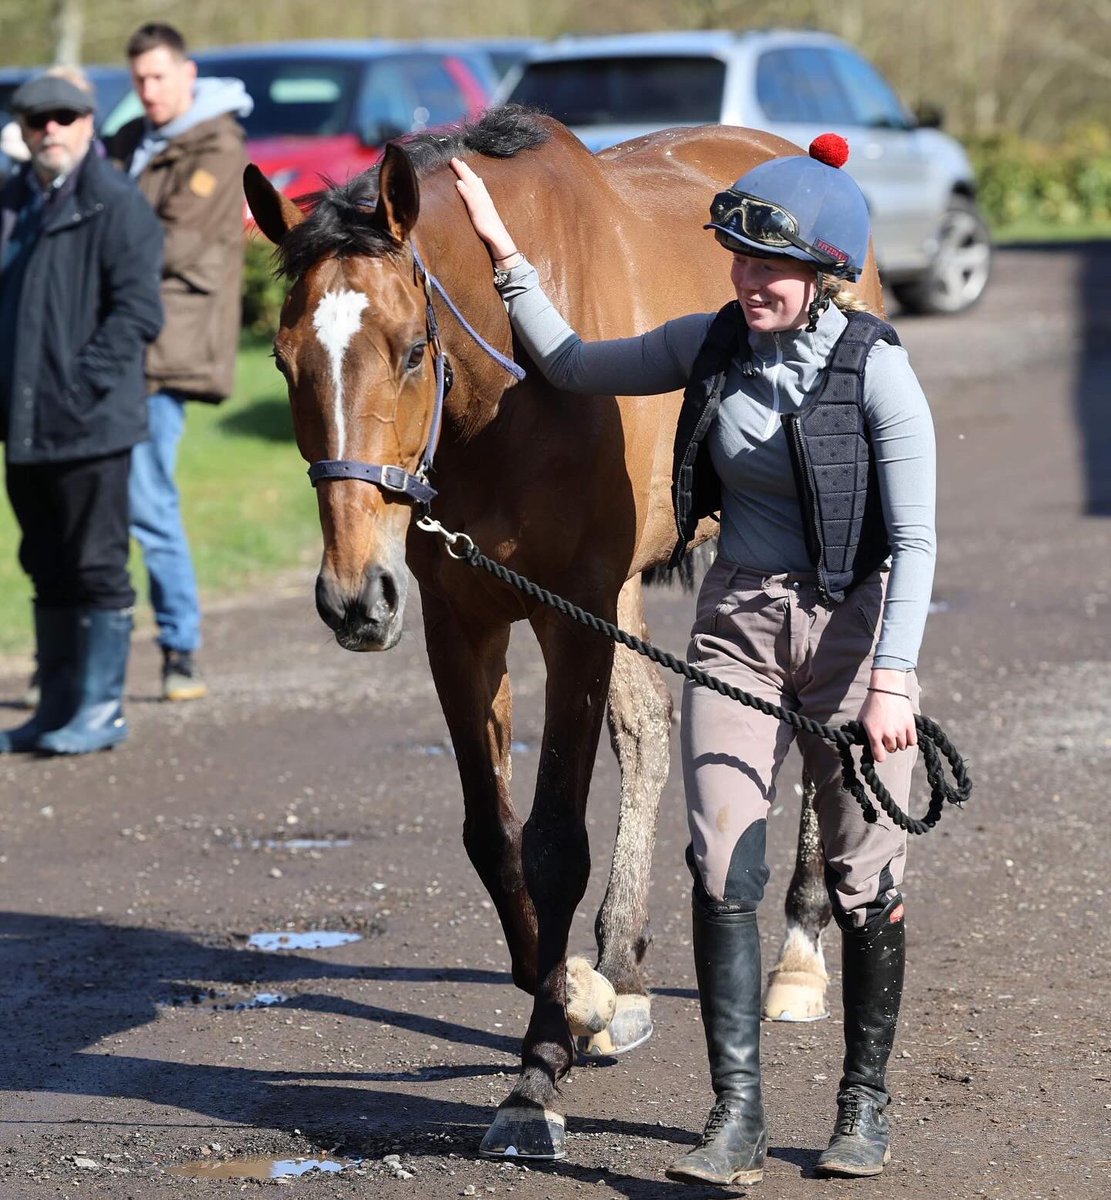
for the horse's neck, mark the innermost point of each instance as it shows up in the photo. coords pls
(456, 257)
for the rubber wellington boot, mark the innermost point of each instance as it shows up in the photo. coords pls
(56, 648)
(734, 1143)
(98, 723)
(873, 959)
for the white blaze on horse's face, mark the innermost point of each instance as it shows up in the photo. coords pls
(336, 321)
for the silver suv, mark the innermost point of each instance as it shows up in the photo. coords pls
(932, 243)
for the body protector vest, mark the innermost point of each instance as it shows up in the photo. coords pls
(829, 444)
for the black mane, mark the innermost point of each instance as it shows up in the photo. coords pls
(337, 225)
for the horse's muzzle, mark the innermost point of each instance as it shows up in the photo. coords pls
(368, 620)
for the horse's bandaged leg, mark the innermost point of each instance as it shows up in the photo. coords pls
(797, 983)
(630, 1027)
(591, 1000)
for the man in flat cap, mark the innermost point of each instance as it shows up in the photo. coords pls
(80, 262)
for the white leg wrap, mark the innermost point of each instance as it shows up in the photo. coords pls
(797, 983)
(591, 1000)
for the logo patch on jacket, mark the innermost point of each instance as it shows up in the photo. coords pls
(202, 183)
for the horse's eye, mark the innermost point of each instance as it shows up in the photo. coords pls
(416, 355)
(280, 363)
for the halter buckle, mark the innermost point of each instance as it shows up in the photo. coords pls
(395, 479)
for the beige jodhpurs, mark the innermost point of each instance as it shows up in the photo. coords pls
(770, 636)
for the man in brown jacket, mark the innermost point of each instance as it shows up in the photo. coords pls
(187, 155)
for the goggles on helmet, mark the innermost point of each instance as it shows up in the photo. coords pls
(762, 222)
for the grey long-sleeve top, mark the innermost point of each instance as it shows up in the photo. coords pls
(761, 522)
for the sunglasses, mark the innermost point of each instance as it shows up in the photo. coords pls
(60, 116)
(761, 222)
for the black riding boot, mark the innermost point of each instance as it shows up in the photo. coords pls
(727, 963)
(873, 957)
(98, 724)
(56, 650)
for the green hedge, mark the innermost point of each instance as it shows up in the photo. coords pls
(1023, 182)
(262, 292)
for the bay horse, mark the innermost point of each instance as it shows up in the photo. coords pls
(570, 491)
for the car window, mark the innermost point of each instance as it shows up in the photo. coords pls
(293, 97)
(641, 90)
(7, 90)
(410, 93)
(125, 110)
(870, 95)
(407, 94)
(800, 86)
(111, 85)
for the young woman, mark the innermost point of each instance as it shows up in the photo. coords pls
(804, 425)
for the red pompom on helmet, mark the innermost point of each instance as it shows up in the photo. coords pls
(831, 149)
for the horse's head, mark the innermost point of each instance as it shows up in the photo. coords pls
(354, 349)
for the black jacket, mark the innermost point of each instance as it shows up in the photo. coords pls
(88, 306)
(830, 448)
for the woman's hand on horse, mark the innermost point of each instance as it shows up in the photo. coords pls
(888, 720)
(484, 215)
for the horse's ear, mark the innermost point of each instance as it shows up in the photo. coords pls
(274, 213)
(398, 193)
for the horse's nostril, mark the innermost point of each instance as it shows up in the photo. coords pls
(328, 604)
(378, 601)
(389, 591)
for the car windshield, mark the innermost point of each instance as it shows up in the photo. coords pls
(656, 90)
(293, 97)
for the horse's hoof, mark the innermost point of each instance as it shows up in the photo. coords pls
(591, 1000)
(525, 1133)
(795, 996)
(630, 1026)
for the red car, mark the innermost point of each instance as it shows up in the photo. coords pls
(326, 109)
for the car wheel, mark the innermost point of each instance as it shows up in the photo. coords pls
(959, 273)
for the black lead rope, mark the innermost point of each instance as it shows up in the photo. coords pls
(932, 739)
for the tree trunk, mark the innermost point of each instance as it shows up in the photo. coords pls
(69, 27)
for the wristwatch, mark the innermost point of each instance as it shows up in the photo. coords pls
(501, 277)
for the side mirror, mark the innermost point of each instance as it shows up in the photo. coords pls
(928, 115)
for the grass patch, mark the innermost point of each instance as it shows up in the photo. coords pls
(249, 508)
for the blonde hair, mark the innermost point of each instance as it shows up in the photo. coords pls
(847, 301)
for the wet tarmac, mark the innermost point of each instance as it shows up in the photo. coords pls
(133, 877)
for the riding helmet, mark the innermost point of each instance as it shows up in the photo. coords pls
(800, 206)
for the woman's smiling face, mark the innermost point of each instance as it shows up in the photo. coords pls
(774, 293)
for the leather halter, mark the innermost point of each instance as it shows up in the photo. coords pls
(414, 485)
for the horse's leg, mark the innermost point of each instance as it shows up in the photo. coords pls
(468, 667)
(797, 982)
(639, 715)
(556, 858)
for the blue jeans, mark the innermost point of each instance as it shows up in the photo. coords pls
(157, 526)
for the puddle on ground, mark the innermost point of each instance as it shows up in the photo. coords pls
(439, 749)
(300, 843)
(217, 1001)
(311, 939)
(263, 1168)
